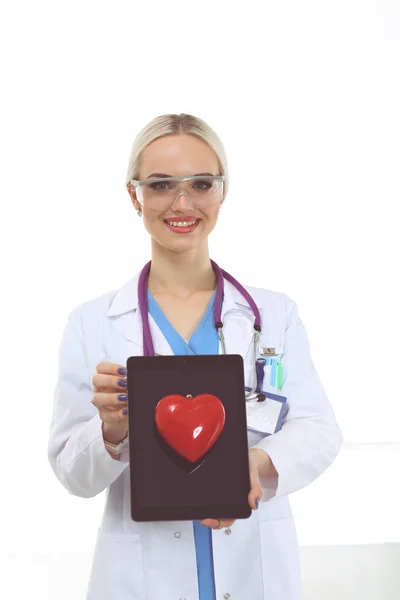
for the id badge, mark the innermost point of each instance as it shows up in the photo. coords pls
(265, 416)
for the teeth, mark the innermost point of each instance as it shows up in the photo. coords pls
(181, 223)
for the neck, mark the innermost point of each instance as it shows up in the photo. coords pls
(180, 274)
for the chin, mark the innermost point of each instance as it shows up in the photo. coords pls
(184, 244)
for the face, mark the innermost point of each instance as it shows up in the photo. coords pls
(178, 156)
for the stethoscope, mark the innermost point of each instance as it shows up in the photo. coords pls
(148, 347)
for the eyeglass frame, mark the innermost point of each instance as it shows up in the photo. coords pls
(141, 182)
(137, 182)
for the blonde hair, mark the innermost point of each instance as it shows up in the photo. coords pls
(174, 125)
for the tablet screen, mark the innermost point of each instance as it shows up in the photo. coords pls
(164, 485)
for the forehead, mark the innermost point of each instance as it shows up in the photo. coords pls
(178, 155)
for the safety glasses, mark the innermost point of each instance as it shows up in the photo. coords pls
(161, 193)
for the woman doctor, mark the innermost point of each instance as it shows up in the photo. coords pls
(255, 558)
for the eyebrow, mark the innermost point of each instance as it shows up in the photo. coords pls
(166, 175)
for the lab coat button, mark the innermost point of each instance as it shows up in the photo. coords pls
(227, 596)
(177, 534)
(228, 531)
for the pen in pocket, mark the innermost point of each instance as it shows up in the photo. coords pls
(279, 375)
(273, 372)
(260, 364)
(268, 368)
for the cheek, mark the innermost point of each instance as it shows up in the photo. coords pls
(150, 216)
(151, 222)
(212, 216)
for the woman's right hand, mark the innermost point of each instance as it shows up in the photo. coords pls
(111, 399)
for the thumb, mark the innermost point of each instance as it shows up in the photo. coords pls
(255, 493)
(255, 496)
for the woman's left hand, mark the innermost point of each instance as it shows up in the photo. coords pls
(255, 460)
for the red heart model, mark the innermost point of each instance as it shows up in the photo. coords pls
(191, 426)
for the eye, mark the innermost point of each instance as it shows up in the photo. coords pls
(202, 185)
(160, 186)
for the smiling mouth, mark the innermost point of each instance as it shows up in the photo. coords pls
(186, 223)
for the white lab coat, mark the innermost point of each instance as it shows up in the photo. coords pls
(257, 558)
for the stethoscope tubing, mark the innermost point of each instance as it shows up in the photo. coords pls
(148, 346)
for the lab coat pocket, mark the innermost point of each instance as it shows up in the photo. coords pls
(117, 569)
(266, 416)
(280, 559)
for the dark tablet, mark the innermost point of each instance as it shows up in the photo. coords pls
(165, 485)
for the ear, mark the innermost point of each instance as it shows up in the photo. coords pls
(132, 193)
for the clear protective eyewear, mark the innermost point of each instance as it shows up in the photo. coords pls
(160, 193)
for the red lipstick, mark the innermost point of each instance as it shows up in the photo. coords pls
(180, 228)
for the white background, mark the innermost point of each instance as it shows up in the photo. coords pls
(305, 96)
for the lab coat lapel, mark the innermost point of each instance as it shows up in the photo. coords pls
(134, 333)
(129, 324)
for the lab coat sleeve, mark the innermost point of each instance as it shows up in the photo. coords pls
(76, 448)
(310, 437)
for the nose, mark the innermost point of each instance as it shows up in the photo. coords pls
(182, 202)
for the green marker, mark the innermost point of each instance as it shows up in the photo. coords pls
(279, 375)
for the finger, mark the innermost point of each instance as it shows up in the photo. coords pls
(215, 523)
(104, 390)
(212, 523)
(255, 496)
(107, 368)
(111, 402)
(226, 523)
(113, 382)
(104, 369)
(113, 418)
(255, 493)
